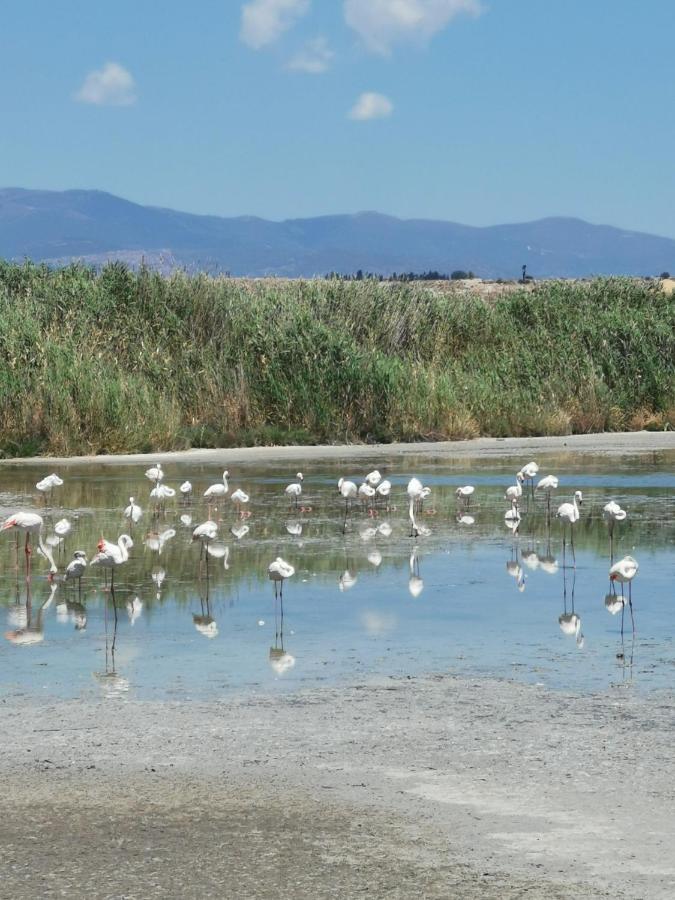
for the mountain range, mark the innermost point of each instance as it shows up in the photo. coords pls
(94, 226)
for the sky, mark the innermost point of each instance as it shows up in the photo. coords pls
(475, 111)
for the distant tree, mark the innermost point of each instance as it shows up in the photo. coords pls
(664, 275)
(460, 275)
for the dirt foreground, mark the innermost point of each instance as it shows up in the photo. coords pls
(435, 787)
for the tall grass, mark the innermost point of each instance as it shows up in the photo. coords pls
(124, 361)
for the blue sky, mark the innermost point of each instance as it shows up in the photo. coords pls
(477, 111)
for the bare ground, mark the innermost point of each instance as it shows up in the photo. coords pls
(621, 443)
(435, 787)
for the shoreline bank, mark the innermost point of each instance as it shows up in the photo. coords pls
(435, 786)
(609, 443)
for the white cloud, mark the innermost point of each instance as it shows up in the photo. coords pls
(264, 21)
(371, 106)
(382, 23)
(315, 57)
(111, 85)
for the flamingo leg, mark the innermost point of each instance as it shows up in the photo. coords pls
(630, 604)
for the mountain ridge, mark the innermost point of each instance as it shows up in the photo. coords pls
(92, 225)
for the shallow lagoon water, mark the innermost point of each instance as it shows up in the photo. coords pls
(469, 599)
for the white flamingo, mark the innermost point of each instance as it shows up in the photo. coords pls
(219, 489)
(515, 491)
(112, 556)
(278, 571)
(465, 493)
(76, 567)
(239, 497)
(612, 513)
(133, 511)
(186, 489)
(417, 492)
(373, 478)
(155, 473)
(547, 484)
(569, 513)
(349, 492)
(162, 492)
(30, 523)
(383, 490)
(294, 491)
(367, 493)
(47, 485)
(529, 473)
(624, 571)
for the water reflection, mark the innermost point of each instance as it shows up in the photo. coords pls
(570, 621)
(377, 562)
(28, 620)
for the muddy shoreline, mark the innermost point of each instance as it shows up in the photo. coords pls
(435, 787)
(623, 443)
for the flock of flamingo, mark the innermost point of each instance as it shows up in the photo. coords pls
(373, 493)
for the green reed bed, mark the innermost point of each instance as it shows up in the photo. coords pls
(122, 361)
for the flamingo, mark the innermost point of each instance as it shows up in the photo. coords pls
(349, 491)
(30, 523)
(548, 483)
(238, 497)
(367, 493)
(186, 489)
(278, 571)
(383, 490)
(219, 489)
(155, 473)
(62, 528)
(529, 473)
(47, 485)
(464, 493)
(294, 491)
(515, 491)
(111, 556)
(160, 493)
(76, 567)
(186, 519)
(373, 478)
(612, 513)
(133, 511)
(417, 492)
(569, 512)
(205, 533)
(294, 528)
(624, 571)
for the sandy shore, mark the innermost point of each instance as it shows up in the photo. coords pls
(435, 787)
(634, 442)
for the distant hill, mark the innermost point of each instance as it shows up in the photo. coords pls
(95, 226)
